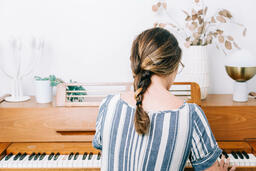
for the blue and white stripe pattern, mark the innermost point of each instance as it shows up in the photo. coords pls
(174, 136)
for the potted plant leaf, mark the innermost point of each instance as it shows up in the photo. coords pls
(44, 87)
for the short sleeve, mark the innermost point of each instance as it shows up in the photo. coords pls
(97, 140)
(204, 148)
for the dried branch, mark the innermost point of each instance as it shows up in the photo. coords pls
(200, 30)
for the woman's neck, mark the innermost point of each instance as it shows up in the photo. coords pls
(158, 85)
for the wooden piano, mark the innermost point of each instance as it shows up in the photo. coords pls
(46, 137)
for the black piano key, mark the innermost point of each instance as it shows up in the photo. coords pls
(225, 154)
(240, 155)
(76, 156)
(31, 156)
(8, 156)
(17, 156)
(23, 156)
(56, 156)
(234, 155)
(90, 156)
(70, 156)
(99, 155)
(51, 156)
(84, 156)
(245, 155)
(42, 156)
(37, 156)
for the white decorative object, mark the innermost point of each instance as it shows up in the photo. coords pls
(20, 72)
(43, 91)
(196, 68)
(241, 67)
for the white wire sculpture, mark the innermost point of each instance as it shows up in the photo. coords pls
(37, 46)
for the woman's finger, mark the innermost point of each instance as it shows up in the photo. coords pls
(233, 168)
(222, 161)
(226, 164)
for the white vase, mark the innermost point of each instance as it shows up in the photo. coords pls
(196, 68)
(43, 91)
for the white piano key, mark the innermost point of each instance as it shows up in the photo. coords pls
(5, 162)
(85, 163)
(94, 161)
(235, 161)
(25, 162)
(252, 159)
(241, 162)
(62, 162)
(246, 162)
(89, 162)
(43, 163)
(78, 163)
(232, 161)
(98, 163)
(51, 163)
(9, 162)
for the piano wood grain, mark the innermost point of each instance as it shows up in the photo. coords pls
(230, 121)
(253, 145)
(43, 124)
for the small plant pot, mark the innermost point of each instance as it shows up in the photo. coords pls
(43, 91)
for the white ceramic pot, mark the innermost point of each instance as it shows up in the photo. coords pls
(43, 91)
(196, 68)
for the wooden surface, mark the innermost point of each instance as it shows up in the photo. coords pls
(97, 169)
(230, 121)
(253, 145)
(29, 121)
(53, 169)
(44, 124)
(33, 122)
(225, 100)
(48, 148)
(235, 146)
(3, 147)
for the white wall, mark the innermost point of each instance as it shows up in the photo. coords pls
(90, 41)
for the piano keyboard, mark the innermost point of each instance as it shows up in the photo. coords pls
(90, 160)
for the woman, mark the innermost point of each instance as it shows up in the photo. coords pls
(151, 129)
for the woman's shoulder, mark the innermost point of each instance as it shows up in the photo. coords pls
(197, 113)
(109, 99)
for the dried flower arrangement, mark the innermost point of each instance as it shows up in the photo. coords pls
(202, 31)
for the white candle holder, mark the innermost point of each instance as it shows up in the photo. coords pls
(37, 46)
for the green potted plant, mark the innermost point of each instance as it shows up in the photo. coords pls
(43, 88)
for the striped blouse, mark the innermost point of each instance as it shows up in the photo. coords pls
(174, 136)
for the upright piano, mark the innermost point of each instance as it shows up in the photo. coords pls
(54, 137)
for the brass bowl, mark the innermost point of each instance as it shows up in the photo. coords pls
(241, 74)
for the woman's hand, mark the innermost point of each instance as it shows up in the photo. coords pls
(221, 165)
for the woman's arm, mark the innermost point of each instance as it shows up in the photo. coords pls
(221, 166)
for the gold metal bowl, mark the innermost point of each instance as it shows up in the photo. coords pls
(241, 74)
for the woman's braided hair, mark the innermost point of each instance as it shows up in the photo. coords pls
(154, 51)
